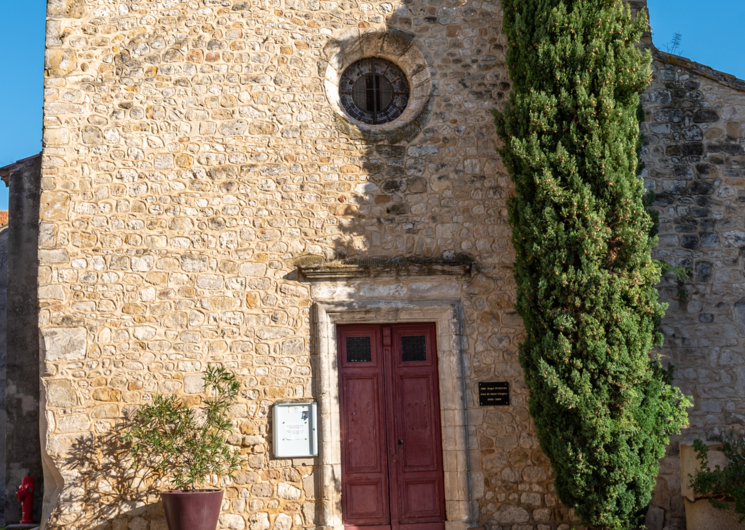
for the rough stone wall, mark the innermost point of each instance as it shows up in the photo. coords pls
(695, 164)
(23, 448)
(190, 158)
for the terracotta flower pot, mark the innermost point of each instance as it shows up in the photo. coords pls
(192, 510)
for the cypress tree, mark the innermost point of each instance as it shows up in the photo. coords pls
(602, 406)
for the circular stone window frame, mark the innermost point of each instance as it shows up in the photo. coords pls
(397, 47)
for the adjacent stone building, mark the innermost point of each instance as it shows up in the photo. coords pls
(19, 338)
(695, 164)
(207, 197)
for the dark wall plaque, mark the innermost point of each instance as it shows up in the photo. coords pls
(491, 394)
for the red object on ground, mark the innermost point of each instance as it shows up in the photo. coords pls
(25, 494)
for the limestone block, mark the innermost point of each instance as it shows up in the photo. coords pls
(333, 291)
(59, 136)
(73, 423)
(63, 443)
(262, 490)
(376, 290)
(64, 343)
(246, 477)
(66, 8)
(51, 292)
(253, 269)
(309, 511)
(535, 474)
(105, 412)
(232, 521)
(509, 514)
(288, 491)
(309, 486)
(435, 289)
(282, 522)
(54, 206)
(193, 383)
(476, 481)
(60, 63)
(274, 333)
(531, 499)
(60, 393)
(258, 521)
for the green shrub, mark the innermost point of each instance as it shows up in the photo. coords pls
(184, 444)
(602, 407)
(722, 484)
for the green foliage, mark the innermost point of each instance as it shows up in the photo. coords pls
(681, 277)
(186, 444)
(674, 45)
(602, 407)
(722, 484)
(647, 201)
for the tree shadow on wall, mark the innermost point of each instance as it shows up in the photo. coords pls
(409, 190)
(114, 493)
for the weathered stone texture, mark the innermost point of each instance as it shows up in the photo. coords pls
(192, 159)
(695, 163)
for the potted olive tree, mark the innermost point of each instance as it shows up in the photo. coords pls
(185, 446)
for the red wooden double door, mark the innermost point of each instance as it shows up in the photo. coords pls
(392, 475)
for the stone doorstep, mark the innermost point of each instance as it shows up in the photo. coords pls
(34, 526)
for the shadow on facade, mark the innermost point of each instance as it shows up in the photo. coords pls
(115, 491)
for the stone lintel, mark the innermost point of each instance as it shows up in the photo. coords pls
(330, 272)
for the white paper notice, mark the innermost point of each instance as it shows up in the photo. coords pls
(294, 433)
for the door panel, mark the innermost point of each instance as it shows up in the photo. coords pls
(363, 420)
(416, 409)
(392, 475)
(366, 500)
(420, 439)
(420, 498)
(362, 424)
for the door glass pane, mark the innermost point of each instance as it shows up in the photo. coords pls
(359, 350)
(414, 348)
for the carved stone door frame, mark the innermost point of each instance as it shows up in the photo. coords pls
(447, 314)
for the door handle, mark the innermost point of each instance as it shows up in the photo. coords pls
(400, 442)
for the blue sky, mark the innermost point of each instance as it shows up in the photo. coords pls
(22, 81)
(711, 35)
(712, 31)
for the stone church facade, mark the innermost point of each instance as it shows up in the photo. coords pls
(207, 198)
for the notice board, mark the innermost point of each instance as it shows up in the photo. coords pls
(295, 430)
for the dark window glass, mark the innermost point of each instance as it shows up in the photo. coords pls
(414, 348)
(359, 350)
(374, 91)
